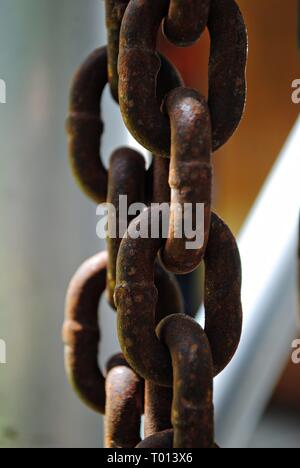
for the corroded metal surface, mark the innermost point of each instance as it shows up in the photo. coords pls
(158, 404)
(160, 440)
(192, 410)
(169, 361)
(161, 189)
(158, 400)
(136, 298)
(227, 65)
(139, 65)
(85, 126)
(186, 21)
(190, 179)
(124, 406)
(222, 297)
(115, 10)
(126, 178)
(81, 332)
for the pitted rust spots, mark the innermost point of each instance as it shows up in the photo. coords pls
(124, 406)
(227, 65)
(222, 301)
(84, 124)
(158, 404)
(126, 178)
(115, 10)
(192, 410)
(163, 346)
(190, 176)
(158, 400)
(223, 280)
(139, 324)
(139, 65)
(186, 21)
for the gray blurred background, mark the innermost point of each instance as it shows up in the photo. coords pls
(47, 226)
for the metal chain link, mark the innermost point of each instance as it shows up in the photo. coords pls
(169, 361)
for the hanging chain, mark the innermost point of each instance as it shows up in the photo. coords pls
(169, 361)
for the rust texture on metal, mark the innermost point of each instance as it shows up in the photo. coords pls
(160, 440)
(136, 298)
(223, 307)
(139, 65)
(158, 405)
(186, 21)
(124, 406)
(126, 178)
(227, 65)
(158, 400)
(192, 410)
(190, 179)
(81, 332)
(161, 192)
(85, 126)
(115, 10)
(168, 363)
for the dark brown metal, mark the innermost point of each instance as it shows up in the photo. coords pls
(190, 179)
(186, 21)
(158, 400)
(115, 10)
(85, 126)
(81, 332)
(158, 404)
(223, 308)
(126, 178)
(136, 298)
(161, 188)
(227, 64)
(124, 406)
(192, 410)
(170, 299)
(160, 440)
(175, 356)
(139, 65)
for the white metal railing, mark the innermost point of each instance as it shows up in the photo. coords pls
(268, 246)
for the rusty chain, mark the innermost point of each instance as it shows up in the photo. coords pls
(139, 65)
(169, 361)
